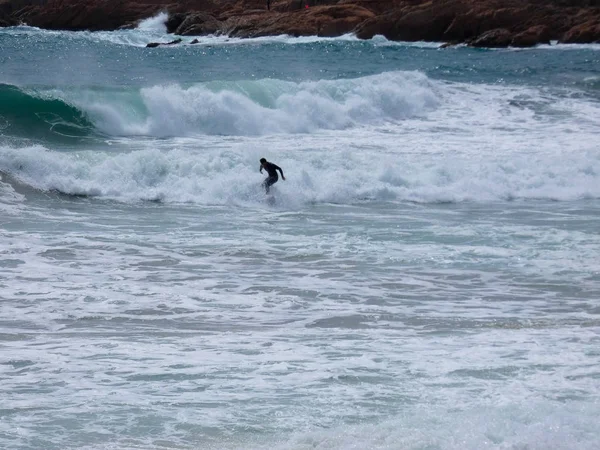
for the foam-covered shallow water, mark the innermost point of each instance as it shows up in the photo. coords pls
(426, 277)
(156, 326)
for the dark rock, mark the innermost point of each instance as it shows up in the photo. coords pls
(539, 34)
(450, 44)
(500, 37)
(199, 24)
(314, 21)
(496, 23)
(426, 22)
(174, 21)
(158, 44)
(584, 33)
(82, 14)
(128, 26)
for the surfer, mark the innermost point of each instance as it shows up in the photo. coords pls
(272, 171)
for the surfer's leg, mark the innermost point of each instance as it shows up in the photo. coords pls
(269, 182)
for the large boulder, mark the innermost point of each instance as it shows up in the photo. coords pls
(527, 23)
(584, 33)
(313, 21)
(500, 37)
(5, 15)
(539, 34)
(421, 22)
(158, 44)
(84, 15)
(174, 21)
(199, 24)
(479, 20)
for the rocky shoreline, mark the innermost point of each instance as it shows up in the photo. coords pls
(478, 23)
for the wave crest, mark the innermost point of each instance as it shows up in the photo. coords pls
(213, 176)
(240, 108)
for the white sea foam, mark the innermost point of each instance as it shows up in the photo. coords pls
(557, 46)
(414, 286)
(136, 37)
(381, 41)
(156, 23)
(10, 200)
(259, 107)
(536, 427)
(393, 136)
(225, 40)
(326, 168)
(270, 106)
(154, 29)
(328, 330)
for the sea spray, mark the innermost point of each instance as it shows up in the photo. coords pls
(212, 176)
(235, 108)
(156, 23)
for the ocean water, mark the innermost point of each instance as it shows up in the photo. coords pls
(427, 276)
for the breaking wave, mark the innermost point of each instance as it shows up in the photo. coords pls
(38, 116)
(240, 108)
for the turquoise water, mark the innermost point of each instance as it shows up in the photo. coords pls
(426, 278)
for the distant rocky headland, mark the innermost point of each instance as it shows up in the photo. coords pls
(479, 23)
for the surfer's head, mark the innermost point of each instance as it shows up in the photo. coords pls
(263, 160)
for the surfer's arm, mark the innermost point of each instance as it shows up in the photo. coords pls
(281, 172)
(260, 169)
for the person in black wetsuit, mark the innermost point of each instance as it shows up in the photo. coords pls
(272, 171)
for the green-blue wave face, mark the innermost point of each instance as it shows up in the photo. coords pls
(66, 88)
(35, 116)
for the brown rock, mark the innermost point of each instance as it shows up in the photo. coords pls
(464, 27)
(314, 21)
(5, 15)
(199, 24)
(450, 44)
(500, 37)
(83, 15)
(174, 21)
(337, 20)
(585, 33)
(421, 22)
(158, 44)
(539, 34)
(478, 22)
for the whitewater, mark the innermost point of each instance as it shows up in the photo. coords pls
(426, 277)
